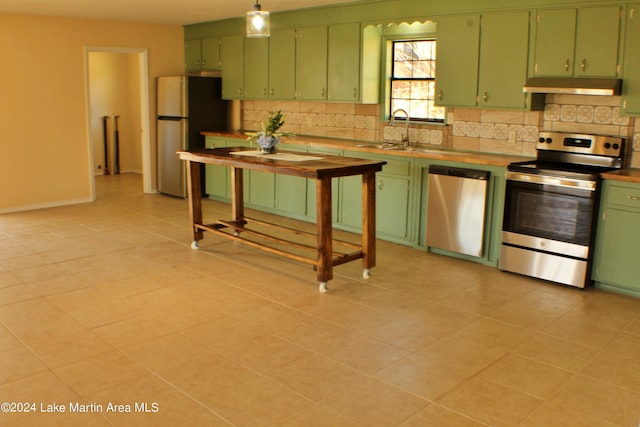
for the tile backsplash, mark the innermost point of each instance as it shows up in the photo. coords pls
(488, 131)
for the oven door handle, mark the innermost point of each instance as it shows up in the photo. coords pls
(551, 180)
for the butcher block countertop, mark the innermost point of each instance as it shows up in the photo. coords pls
(420, 151)
(627, 175)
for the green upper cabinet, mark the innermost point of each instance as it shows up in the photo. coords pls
(282, 64)
(256, 68)
(597, 42)
(457, 55)
(211, 53)
(353, 63)
(631, 76)
(232, 56)
(555, 37)
(202, 55)
(578, 42)
(311, 63)
(344, 62)
(269, 66)
(503, 60)
(482, 60)
(193, 55)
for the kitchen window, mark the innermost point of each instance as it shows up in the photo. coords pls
(412, 80)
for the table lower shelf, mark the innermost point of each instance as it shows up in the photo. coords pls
(298, 245)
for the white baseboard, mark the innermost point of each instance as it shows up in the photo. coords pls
(44, 205)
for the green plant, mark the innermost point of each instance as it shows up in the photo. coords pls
(270, 127)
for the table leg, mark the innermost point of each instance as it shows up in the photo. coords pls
(368, 222)
(324, 231)
(194, 194)
(237, 195)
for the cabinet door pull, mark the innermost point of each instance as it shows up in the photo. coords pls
(380, 184)
(271, 92)
(566, 65)
(355, 93)
(440, 95)
(485, 96)
(633, 197)
(583, 65)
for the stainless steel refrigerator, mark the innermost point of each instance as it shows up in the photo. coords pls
(186, 106)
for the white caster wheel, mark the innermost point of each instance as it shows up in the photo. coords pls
(194, 244)
(236, 233)
(366, 273)
(323, 287)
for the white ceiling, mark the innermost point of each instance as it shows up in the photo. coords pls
(178, 12)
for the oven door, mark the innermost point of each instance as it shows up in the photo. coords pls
(547, 227)
(550, 207)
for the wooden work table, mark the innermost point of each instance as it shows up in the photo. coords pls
(322, 168)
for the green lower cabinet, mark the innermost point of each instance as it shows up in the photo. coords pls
(392, 205)
(218, 178)
(351, 203)
(291, 195)
(311, 187)
(262, 189)
(393, 196)
(616, 265)
(291, 191)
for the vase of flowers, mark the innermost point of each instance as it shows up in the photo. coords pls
(269, 135)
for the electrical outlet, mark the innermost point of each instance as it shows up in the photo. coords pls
(512, 136)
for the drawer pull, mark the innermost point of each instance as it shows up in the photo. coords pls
(633, 197)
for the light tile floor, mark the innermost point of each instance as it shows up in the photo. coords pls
(105, 304)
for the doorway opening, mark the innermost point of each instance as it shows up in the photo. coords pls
(117, 81)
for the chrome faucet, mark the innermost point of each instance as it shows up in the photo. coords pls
(405, 137)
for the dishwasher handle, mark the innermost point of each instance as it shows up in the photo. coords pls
(458, 172)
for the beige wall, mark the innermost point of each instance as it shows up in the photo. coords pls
(44, 152)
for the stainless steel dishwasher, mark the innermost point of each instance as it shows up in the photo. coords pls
(456, 206)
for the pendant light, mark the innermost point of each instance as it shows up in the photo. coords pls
(258, 22)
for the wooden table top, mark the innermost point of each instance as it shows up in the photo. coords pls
(305, 165)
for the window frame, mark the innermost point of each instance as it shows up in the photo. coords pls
(392, 78)
(421, 29)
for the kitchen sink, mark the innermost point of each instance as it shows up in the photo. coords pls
(415, 149)
(436, 151)
(383, 146)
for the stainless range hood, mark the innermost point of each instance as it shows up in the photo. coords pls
(573, 86)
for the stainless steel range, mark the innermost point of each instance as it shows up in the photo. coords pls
(551, 204)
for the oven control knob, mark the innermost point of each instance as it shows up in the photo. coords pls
(607, 145)
(616, 146)
(549, 140)
(541, 139)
